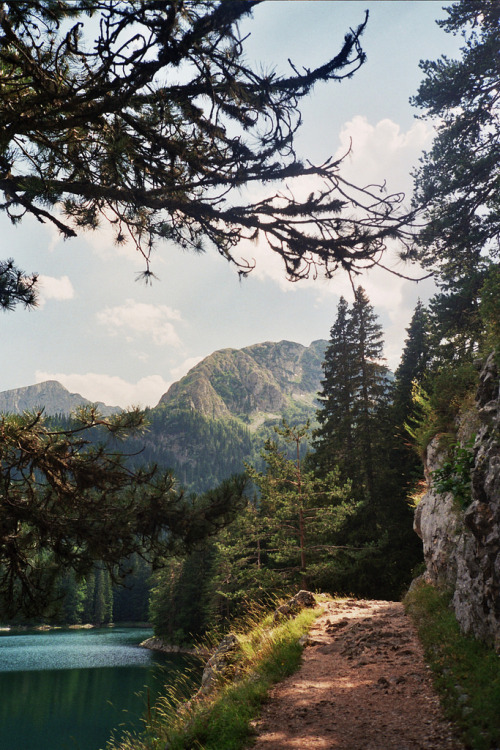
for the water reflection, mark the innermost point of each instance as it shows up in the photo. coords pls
(77, 708)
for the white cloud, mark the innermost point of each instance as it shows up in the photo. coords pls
(110, 389)
(377, 153)
(182, 369)
(382, 152)
(141, 319)
(49, 287)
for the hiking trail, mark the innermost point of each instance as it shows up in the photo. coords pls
(363, 685)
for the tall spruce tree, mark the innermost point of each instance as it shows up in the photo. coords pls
(413, 364)
(334, 438)
(354, 398)
(372, 389)
(411, 372)
(357, 433)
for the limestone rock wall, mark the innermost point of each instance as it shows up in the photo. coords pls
(462, 547)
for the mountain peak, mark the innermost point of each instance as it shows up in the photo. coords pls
(258, 378)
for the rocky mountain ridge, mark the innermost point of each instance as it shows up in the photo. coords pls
(50, 396)
(230, 382)
(216, 417)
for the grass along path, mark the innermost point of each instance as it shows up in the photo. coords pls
(466, 672)
(223, 719)
(361, 683)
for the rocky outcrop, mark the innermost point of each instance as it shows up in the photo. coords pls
(439, 524)
(462, 546)
(293, 606)
(158, 644)
(222, 665)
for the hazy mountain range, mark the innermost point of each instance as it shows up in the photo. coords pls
(50, 396)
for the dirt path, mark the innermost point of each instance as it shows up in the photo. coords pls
(363, 685)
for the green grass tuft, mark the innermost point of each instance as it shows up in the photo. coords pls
(466, 672)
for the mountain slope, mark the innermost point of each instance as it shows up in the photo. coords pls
(265, 378)
(50, 396)
(218, 416)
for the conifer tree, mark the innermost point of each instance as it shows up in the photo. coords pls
(456, 184)
(180, 606)
(89, 595)
(413, 364)
(355, 397)
(411, 373)
(287, 536)
(73, 596)
(102, 610)
(372, 393)
(334, 439)
(366, 454)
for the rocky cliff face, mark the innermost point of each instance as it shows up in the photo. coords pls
(462, 547)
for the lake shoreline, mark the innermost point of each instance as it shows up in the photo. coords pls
(67, 687)
(157, 644)
(42, 627)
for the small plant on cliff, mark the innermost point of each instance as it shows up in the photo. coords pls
(413, 498)
(438, 406)
(455, 474)
(421, 425)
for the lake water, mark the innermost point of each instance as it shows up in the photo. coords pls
(69, 689)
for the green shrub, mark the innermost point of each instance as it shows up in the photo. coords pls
(455, 474)
(437, 408)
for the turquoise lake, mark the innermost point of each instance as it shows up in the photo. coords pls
(69, 689)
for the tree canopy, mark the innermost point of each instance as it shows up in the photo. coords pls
(457, 182)
(15, 287)
(146, 114)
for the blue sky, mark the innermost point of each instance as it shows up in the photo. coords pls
(102, 334)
